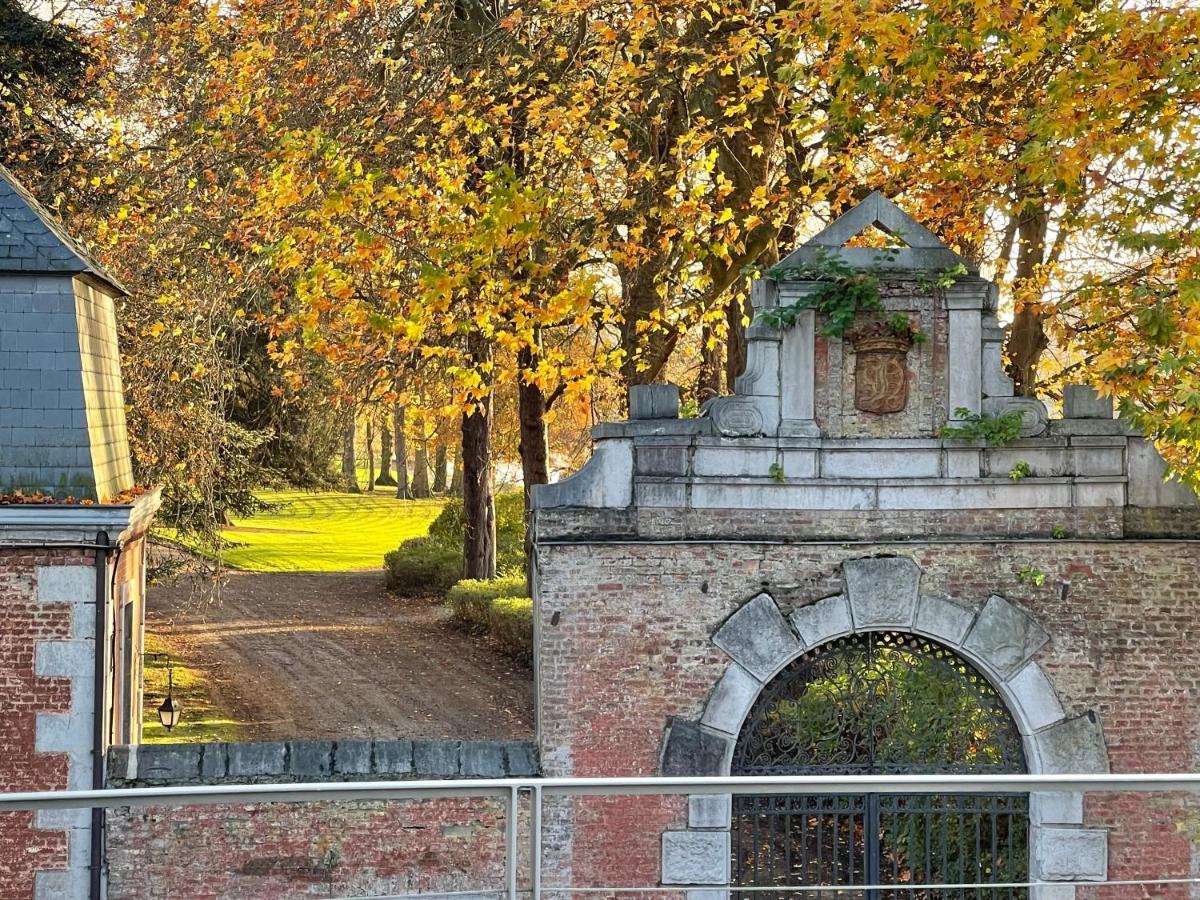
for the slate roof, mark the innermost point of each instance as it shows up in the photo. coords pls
(32, 241)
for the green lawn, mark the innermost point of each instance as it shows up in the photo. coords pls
(328, 532)
(201, 721)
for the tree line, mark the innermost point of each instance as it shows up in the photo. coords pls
(410, 211)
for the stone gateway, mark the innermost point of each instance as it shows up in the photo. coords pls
(810, 578)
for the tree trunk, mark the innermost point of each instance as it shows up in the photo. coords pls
(402, 489)
(349, 463)
(439, 469)
(735, 342)
(420, 478)
(479, 507)
(534, 447)
(1027, 336)
(385, 478)
(646, 349)
(370, 454)
(456, 480)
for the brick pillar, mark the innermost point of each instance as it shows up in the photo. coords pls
(47, 643)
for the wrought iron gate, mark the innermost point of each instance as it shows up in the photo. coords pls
(875, 703)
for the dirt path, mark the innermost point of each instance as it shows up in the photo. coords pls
(334, 655)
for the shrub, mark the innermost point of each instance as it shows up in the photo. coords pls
(423, 566)
(450, 527)
(510, 625)
(470, 601)
(497, 609)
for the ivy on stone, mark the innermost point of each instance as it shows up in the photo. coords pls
(996, 431)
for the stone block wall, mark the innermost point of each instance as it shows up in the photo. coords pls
(626, 634)
(301, 850)
(46, 693)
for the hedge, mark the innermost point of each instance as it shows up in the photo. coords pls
(510, 625)
(469, 600)
(423, 566)
(431, 565)
(497, 609)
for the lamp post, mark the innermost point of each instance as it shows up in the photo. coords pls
(171, 710)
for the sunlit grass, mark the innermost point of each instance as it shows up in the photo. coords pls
(201, 722)
(326, 532)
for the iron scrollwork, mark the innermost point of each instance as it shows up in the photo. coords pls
(880, 703)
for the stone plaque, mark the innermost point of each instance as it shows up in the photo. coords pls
(735, 417)
(881, 374)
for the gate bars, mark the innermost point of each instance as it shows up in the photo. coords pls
(511, 790)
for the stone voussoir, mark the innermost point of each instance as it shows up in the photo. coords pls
(758, 637)
(943, 619)
(1072, 747)
(1035, 697)
(694, 751)
(823, 621)
(731, 700)
(882, 591)
(1004, 637)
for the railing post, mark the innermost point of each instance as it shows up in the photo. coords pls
(510, 840)
(535, 840)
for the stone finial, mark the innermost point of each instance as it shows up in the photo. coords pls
(1082, 401)
(654, 401)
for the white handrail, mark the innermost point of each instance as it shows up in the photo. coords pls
(303, 792)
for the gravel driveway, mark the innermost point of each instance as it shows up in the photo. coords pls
(301, 655)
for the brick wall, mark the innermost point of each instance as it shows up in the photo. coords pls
(625, 644)
(45, 705)
(302, 850)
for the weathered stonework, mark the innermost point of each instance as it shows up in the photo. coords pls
(786, 518)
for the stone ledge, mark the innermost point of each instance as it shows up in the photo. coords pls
(308, 761)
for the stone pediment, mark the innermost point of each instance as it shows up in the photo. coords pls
(923, 251)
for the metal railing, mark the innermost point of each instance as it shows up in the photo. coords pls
(513, 790)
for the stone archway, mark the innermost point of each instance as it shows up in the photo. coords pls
(884, 593)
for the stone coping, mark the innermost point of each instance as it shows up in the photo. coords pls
(691, 432)
(783, 526)
(151, 765)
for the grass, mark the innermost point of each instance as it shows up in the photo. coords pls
(328, 532)
(201, 721)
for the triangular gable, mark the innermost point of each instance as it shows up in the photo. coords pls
(923, 251)
(32, 241)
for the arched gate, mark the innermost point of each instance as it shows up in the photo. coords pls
(879, 703)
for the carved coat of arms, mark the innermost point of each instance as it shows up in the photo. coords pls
(880, 370)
